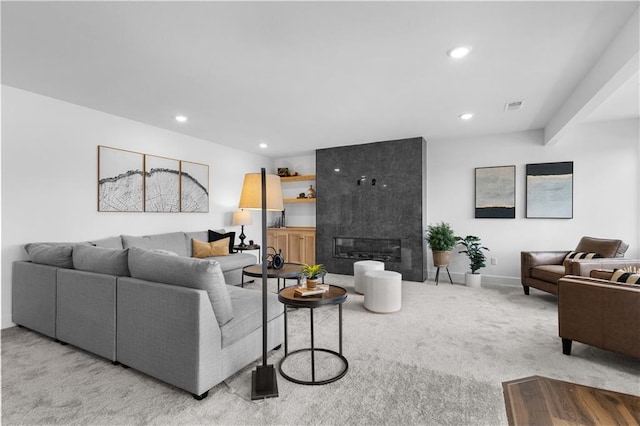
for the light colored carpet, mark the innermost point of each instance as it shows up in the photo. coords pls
(440, 360)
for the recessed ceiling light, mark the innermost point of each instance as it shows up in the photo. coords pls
(459, 52)
(181, 118)
(466, 116)
(336, 170)
(263, 145)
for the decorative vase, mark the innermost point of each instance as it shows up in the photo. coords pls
(473, 280)
(441, 259)
(311, 193)
(312, 283)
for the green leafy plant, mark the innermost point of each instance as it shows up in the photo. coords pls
(312, 271)
(441, 237)
(474, 251)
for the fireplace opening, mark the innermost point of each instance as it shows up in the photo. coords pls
(383, 249)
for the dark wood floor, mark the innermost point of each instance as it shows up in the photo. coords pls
(541, 401)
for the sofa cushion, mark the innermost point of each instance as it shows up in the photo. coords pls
(622, 276)
(201, 249)
(549, 273)
(202, 274)
(604, 247)
(110, 242)
(216, 236)
(235, 261)
(198, 235)
(50, 254)
(101, 260)
(173, 241)
(247, 308)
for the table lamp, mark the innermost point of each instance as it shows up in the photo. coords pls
(263, 192)
(242, 218)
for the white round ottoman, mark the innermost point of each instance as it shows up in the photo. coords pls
(362, 266)
(382, 291)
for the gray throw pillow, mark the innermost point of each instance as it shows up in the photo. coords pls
(202, 274)
(49, 254)
(101, 260)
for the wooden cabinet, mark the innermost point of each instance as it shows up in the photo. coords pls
(298, 244)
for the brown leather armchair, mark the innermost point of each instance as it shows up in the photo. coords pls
(543, 269)
(599, 313)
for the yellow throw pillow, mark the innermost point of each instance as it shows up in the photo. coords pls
(215, 248)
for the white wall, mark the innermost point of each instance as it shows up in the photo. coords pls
(606, 187)
(49, 177)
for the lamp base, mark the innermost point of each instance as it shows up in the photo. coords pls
(263, 382)
(242, 237)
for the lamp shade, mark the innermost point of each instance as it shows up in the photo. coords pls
(251, 197)
(242, 217)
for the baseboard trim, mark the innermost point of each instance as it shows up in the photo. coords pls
(6, 322)
(458, 278)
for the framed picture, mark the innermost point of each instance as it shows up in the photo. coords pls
(161, 184)
(550, 190)
(496, 192)
(120, 180)
(194, 187)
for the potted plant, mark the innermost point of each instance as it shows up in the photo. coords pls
(477, 259)
(311, 272)
(442, 240)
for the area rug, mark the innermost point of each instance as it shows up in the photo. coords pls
(440, 360)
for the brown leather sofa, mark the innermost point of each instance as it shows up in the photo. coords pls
(543, 269)
(599, 313)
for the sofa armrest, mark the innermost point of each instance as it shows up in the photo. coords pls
(169, 332)
(599, 313)
(529, 259)
(583, 267)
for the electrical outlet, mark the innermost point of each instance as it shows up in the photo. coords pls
(494, 260)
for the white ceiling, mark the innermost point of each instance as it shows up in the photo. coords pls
(306, 75)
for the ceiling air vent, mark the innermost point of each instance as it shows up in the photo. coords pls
(512, 106)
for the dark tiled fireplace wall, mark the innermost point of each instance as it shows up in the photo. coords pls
(375, 190)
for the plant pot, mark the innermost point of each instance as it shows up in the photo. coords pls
(312, 283)
(473, 280)
(441, 259)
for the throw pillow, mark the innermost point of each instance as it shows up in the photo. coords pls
(215, 236)
(202, 274)
(575, 255)
(50, 254)
(215, 248)
(622, 276)
(101, 260)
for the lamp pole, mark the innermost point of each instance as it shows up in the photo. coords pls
(264, 383)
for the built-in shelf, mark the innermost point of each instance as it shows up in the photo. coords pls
(299, 200)
(298, 178)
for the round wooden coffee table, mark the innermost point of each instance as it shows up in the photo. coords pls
(288, 271)
(335, 296)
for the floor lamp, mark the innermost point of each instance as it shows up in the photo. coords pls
(263, 192)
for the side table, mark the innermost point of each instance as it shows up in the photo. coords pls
(335, 296)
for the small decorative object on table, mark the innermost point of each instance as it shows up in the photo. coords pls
(312, 272)
(311, 193)
(319, 289)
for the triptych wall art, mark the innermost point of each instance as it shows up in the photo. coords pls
(135, 182)
(549, 191)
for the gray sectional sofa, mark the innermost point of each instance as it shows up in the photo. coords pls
(146, 303)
